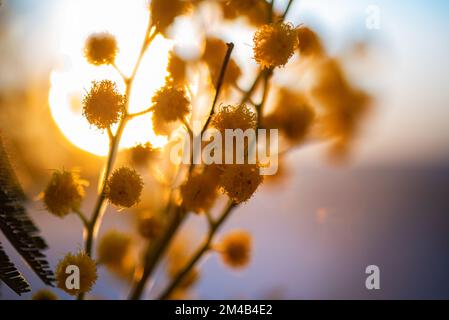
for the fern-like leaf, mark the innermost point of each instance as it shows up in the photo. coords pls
(11, 276)
(15, 223)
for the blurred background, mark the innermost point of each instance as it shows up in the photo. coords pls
(315, 232)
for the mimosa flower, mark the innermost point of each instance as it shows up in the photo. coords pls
(274, 44)
(308, 42)
(141, 154)
(103, 106)
(234, 117)
(170, 104)
(101, 48)
(214, 54)
(124, 187)
(87, 272)
(64, 193)
(292, 116)
(235, 249)
(164, 12)
(200, 191)
(176, 70)
(114, 248)
(44, 294)
(240, 181)
(150, 227)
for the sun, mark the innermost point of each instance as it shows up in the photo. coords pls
(127, 21)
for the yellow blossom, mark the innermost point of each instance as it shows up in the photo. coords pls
(113, 248)
(101, 48)
(308, 42)
(141, 154)
(292, 116)
(64, 193)
(164, 12)
(274, 44)
(44, 294)
(240, 181)
(170, 104)
(235, 249)
(124, 187)
(256, 11)
(87, 272)
(199, 192)
(176, 70)
(150, 227)
(214, 54)
(103, 106)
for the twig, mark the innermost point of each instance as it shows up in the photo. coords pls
(220, 80)
(155, 251)
(140, 113)
(201, 251)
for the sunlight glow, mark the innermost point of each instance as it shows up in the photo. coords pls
(70, 80)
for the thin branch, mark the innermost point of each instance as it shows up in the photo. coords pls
(287, 9)
(155, 251)
(82, 217)
(124, 77)
(200, 253)
(220, 80)
(140, 113)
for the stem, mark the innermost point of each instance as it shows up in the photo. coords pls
(200, 253)
(100, 205)
(287, 9)
(220, 80)
(82, 217)
(153, 254)
(140, 113)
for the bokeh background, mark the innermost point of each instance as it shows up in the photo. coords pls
(316, 232)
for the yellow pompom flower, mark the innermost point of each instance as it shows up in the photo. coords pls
(164, 12)
(234, 117)
(176, 70)
(64, 193)
(170, 104)
(124, 187)
(87, 272)
(292, 115)
(235, 249)
(309, 42)
(114, 248)
(141, 154)
(274, 44)
(240, 181)
(200, 191)
(44, 294)
(103, 106)
(101, 48)
(150, 227)
(256, 11)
